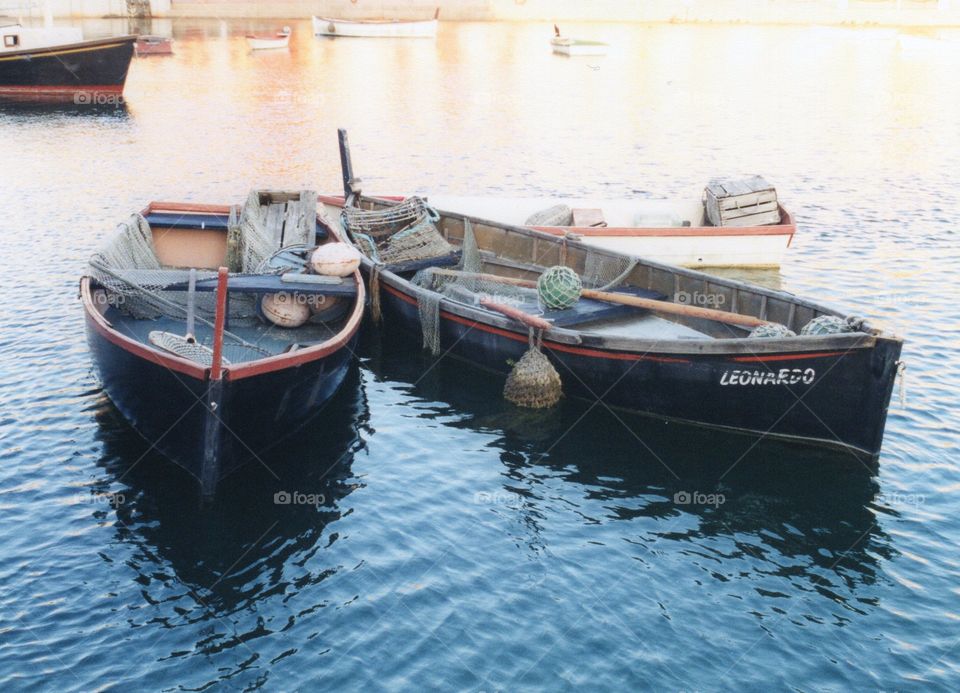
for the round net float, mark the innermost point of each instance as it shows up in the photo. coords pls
(335, 260)
(559, 287)
(827, 324)
(326, 307)
(773, 330)
(284, 309)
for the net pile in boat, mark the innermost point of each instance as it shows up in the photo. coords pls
(557, 215)
(605, 272)
(256, 242)
(128, 268)
(400, 233)
(463, 287)
(201, 353)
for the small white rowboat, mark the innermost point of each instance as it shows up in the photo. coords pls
(381, 28)
(673, 232)
(571, 46)
(280, 40)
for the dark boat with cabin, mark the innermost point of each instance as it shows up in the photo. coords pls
(213, 333)
(756, 361)
(56, 65)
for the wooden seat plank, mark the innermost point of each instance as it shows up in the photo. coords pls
(272, 283)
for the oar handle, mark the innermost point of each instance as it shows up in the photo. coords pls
(517, 314)
(674, 308)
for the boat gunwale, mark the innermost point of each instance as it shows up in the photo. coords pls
(239, 371)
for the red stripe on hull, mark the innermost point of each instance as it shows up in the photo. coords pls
(787, 357)
(619, 356)
(92, 95)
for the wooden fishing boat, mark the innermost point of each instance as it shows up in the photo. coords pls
(154, 45)
(279, 40)
(182, 345)
(664, 341)
(56, 65)
(670, 231)
(376, 28)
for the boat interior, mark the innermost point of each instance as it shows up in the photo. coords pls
(517, 253)
(583, 212)
(203, 238)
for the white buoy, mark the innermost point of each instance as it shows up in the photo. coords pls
(335, 259)
(285, 309)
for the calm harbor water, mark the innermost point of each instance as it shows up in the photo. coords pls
(458, 543)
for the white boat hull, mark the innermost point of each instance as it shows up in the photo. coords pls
(573, 47)
(323, 26)
(259, 44)
(689, 246)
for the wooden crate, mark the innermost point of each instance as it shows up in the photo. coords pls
(744, 202)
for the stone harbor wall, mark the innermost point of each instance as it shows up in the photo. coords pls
(828, 12)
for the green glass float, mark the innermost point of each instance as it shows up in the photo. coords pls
(559, 287)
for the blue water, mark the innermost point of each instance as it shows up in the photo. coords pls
(459, 544)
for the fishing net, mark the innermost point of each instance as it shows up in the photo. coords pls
(605, 272)
(401, 233)
(139, 286)
(534, 382)
(830, 324)
(201, 353)
(470, 259)
(463, 287)
(772, 330)
(558, 215)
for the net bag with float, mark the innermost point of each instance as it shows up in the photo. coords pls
(533, 381)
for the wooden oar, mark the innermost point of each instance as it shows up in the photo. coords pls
(533, 321)
(624, 299)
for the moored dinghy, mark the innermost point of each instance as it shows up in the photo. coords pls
(154, 45)
(376, 28)
(661, 340)
(676, 232)
(281, 39)
(564, 45)
(214, 367)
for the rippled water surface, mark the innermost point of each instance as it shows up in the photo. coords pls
(462, 545)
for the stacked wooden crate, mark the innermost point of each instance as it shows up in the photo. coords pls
(744, 202)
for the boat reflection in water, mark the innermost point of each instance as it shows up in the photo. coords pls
(271, 515)
(691, 489)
